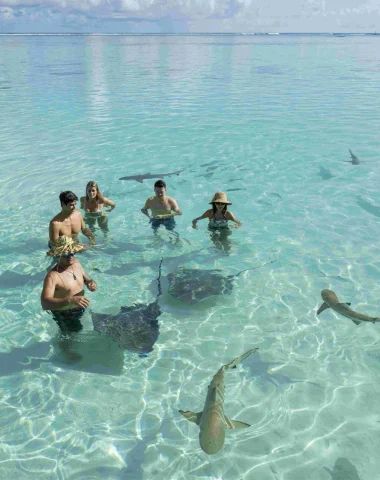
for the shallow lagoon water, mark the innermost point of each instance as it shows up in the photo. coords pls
(259, 118)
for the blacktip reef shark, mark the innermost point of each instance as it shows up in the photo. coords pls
(330, 300)
(212, 421)
(147, 176)
(354, 159)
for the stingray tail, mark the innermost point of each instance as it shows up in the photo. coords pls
(159, 278)
(254, 268)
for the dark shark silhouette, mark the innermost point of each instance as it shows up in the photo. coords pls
(343, 470)
(146, 176)
(354, 159)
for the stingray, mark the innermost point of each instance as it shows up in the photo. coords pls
(134, 328)
(190, 285)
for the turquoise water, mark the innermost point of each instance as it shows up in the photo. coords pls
(262, 118)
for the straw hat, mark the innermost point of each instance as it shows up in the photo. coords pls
(64, 245)
(220, 197)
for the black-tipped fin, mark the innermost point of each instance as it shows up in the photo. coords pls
(192, 416)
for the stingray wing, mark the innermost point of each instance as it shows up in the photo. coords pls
(134, 328)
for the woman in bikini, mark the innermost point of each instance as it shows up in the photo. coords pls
(93, 204)
(218, 218)
(218, 215)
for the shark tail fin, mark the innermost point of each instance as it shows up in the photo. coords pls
(234, 424)
(192, 416)
(237, 360)
(322, 308)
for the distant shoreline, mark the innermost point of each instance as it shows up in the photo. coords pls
(253, 34)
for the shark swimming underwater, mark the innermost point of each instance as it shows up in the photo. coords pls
(146, 176)
(212, 421)
(354, 159)
(330, 300)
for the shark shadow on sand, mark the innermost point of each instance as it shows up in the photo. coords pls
(343, 470)
(134, 328)
(368, 207)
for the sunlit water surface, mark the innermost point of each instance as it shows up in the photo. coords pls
(268, 120)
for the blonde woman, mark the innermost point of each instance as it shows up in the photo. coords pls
(218, 215)
(93, 204)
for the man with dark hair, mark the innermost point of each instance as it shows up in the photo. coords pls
(163, 208)
(69, 221)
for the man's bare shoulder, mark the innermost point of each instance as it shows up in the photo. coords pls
(150, 199)
(171, 200)
(52, 275)
(57, 219)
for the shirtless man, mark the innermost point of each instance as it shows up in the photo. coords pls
(69, 221)
(63, 292)
(163, 208)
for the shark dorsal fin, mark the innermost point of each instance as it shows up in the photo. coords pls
(192, 416)
(234, 424)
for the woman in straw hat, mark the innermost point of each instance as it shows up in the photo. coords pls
(63, 292)
(218, 215)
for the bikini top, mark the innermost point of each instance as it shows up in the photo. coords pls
(98, 210)
(218, 223)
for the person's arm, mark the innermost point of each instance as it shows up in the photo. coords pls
(146, 208)
(86, 231)
(175, 208)
(109, 203)
(53, 231)
(205, 215)
(89, 282)
(231, 216)
(48, 302)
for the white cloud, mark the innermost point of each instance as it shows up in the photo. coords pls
(193, 15)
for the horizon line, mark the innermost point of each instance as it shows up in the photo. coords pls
(192, 33)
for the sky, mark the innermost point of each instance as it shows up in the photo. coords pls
(188, 16)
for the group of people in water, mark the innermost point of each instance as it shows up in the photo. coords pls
(63, 289)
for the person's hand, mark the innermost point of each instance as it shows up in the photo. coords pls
(195, 225)
(92, 242)
(237, 225)
(91, 285)
(80, 301)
